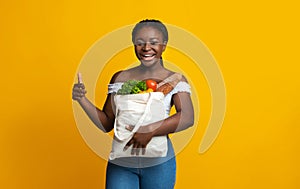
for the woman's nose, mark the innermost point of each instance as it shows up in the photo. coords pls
(146, 47)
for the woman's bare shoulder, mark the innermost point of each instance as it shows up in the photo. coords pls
(123, 75)
(117, 77)
(180, 75)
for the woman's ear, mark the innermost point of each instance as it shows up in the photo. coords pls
(164, 45)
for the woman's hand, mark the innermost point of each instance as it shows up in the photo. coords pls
(139, 141)
(78, 89)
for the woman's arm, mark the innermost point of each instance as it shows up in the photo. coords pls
(181, 120)
(103, 119)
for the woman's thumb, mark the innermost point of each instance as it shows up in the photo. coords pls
(79, 77)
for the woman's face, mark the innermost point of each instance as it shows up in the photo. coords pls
(149, 45)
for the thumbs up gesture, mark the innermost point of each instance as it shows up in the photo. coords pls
(78, 89)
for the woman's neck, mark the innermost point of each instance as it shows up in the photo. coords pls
(157, 72)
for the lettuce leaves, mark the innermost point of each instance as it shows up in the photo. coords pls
(132, 87)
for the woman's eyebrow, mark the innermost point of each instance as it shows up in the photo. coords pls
(150, 38)
(154, 38)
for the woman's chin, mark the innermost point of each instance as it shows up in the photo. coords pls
(148, 63)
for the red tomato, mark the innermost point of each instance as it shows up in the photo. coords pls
(151, 84)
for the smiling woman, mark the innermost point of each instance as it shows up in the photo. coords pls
(139, 167)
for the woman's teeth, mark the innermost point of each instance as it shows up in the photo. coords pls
(148, 55)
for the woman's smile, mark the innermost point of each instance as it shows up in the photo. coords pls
(148, 56)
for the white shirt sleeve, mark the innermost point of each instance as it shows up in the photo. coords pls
(113, 88)
(180, 87)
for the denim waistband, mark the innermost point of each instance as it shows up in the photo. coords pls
(141, 162)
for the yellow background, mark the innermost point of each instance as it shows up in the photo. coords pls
(255, 43)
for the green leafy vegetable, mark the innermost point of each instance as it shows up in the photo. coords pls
(132, 87)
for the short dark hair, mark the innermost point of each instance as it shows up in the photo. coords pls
(151, 23)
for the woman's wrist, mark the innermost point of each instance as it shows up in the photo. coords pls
(147, 129)
(82, 100)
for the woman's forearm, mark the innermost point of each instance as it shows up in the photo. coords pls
(97, 116)
(175, 123)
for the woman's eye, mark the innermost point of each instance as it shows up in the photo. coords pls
(153, 42)
(139, 43)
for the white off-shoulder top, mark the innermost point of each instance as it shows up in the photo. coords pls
(180, 87)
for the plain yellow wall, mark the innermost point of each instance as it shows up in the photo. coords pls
(255, 43)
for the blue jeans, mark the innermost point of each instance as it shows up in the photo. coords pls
(145, 173)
